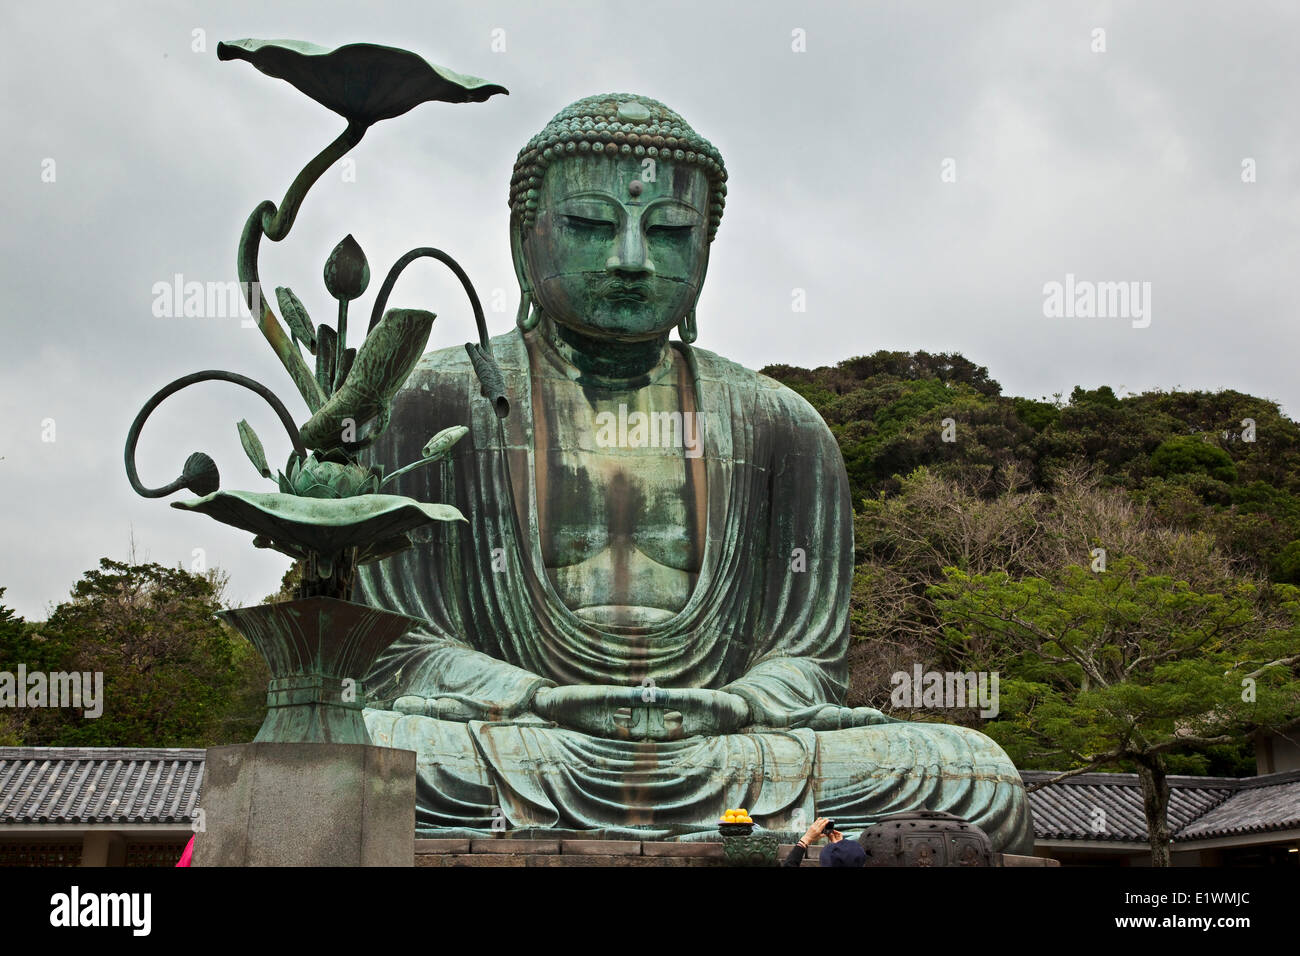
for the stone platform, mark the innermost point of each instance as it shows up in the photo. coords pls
(505, 851)
(306, 804)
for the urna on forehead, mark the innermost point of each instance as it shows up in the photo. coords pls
(621, 125)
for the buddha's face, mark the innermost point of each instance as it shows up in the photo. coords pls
(612, 255)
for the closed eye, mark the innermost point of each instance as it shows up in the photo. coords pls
(669, 232)
(582, 222)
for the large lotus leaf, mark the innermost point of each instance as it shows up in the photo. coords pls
(384, 361)
(323, 525)
(363, 82)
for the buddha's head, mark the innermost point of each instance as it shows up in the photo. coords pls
(612, 209)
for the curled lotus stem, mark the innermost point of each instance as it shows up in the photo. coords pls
(429, 252)
(275, 223)
(210, 375)
(271, 328)
(485, 366)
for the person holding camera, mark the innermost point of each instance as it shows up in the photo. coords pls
(838, 851)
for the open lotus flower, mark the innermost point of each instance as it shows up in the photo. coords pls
(363, 82)
(376, 525)
(316, 478)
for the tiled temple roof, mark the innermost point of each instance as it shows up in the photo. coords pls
(1273, 803)
(99, 785)
(1199, 807)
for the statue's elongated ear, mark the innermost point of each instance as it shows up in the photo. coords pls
(527, 317)
(517, 251)
(687, 328)
(704, 271)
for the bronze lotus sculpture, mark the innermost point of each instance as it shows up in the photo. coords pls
(330, 512)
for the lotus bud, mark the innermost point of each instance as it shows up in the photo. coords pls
(296, 317)
(346, 271)
(440, 444)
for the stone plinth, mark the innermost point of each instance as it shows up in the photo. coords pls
(307, 804)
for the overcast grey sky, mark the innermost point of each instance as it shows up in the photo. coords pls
(1117, 166)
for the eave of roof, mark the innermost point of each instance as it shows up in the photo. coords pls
(118, 785)
(1199, 807)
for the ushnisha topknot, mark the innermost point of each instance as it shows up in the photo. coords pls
(619, 124)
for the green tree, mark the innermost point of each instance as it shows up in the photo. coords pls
(1125, 668)
(16, 645)
(290, 581)
(174, 675)
(1190, 455)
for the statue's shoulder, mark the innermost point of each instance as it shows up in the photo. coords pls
(783, 402)
(710, 366)
(436, 367)
(450, 367)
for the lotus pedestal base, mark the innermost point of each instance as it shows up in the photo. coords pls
(318, 650)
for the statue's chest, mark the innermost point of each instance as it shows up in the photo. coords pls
(615, 491)
(618, 474)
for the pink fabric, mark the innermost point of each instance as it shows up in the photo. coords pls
(189, 851)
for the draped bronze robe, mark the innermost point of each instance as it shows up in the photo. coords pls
(767, 620)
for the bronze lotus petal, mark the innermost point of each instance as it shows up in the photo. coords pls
(363, 82)
(385, 359)
(331, 479)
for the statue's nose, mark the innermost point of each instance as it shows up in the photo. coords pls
(631, 258)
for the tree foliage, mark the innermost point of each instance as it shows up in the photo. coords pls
(1127, 668)
(173, 675)
(1123, 562)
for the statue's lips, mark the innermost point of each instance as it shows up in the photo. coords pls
(625, 291)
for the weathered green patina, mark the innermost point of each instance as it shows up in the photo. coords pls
(645, 618)
(314, 648)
